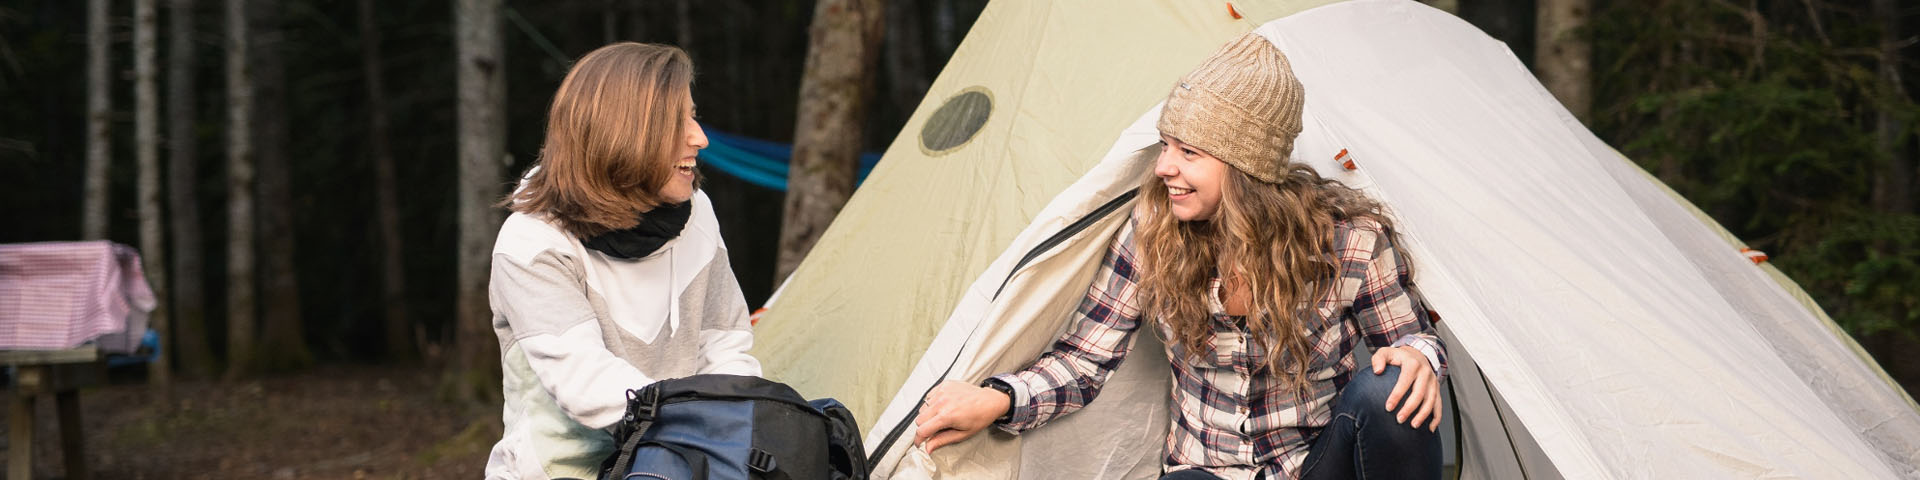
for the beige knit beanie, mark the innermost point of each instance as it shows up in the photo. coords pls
(1242, 105)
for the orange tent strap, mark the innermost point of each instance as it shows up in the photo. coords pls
(1756, 256)
(754, 320)
(1231, 11)
(1345, 161)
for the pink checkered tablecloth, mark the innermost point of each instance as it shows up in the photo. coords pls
(59, 295)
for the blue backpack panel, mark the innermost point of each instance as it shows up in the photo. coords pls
(731, 427)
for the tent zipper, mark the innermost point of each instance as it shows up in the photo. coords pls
(880, 451)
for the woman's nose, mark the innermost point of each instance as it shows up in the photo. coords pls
(1162, 167)
(697, 137)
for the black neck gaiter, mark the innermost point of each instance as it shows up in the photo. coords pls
(656, 227)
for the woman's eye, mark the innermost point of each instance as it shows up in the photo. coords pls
(1188, 151)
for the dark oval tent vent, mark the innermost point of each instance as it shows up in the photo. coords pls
(956, 121)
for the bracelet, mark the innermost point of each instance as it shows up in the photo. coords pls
(1002, 387)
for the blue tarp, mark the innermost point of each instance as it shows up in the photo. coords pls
(148, 352)
(761, 162)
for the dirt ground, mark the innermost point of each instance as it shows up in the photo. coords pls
(362, 422)
(335, 422)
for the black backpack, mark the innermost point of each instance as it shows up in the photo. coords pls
(734, 427)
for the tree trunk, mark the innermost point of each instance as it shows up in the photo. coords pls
(1562, 55)
(609, 21)
(636, 21)
(734, 60)
(1509, 21)
(240, 301)
(146, 141)
(843, 45)
(97, 198)
(1892, 190)
(1449, 6)
(905, 57)
(189, 335)
(483, 131)
(683, 24)
(393, 293)
(945, 35)
(282, 343)
(1668, 166)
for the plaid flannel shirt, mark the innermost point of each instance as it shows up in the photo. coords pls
(1231, 417)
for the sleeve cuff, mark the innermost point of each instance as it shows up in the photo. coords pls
(1021, 414)
(1426, 347)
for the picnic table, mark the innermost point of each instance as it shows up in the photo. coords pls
(63, 307)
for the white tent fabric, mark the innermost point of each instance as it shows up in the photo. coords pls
(1600, 327)
(1628, 339)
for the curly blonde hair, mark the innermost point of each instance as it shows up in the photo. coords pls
(1271, 237)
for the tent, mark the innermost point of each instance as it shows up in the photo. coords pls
(1599, 325)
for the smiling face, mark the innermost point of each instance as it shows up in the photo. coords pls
(679, 187)
(621, 140)
(1193, 179)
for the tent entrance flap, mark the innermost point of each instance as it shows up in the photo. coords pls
(1492, 445)
(1075, 228)
(1072, 229)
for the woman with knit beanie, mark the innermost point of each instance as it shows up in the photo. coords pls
(610, 273)
(1261, 275)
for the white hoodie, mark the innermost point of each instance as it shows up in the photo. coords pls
(578, 329)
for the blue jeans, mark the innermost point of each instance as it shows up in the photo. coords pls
(1364, 441)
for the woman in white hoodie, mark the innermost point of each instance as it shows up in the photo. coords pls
(610, 273)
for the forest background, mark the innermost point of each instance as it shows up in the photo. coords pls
(367, 161)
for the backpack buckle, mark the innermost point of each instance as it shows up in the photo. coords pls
(647, 404)
(761, 461)
(642, 404)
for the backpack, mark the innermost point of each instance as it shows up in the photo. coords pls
(734, 428)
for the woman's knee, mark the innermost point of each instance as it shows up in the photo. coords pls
(1365, 399)
(1366, 389)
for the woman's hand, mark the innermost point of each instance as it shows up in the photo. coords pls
(955, 411)
(1417, 384)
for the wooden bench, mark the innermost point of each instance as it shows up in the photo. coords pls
(61, 373)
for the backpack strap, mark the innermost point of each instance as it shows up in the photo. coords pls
(844, 449)
(696, 461)
(764, 463)
(642, 406)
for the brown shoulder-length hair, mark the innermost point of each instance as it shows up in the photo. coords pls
(1277, 239)
(612, 133)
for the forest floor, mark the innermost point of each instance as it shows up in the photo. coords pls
(340, 422)
(331, 422)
